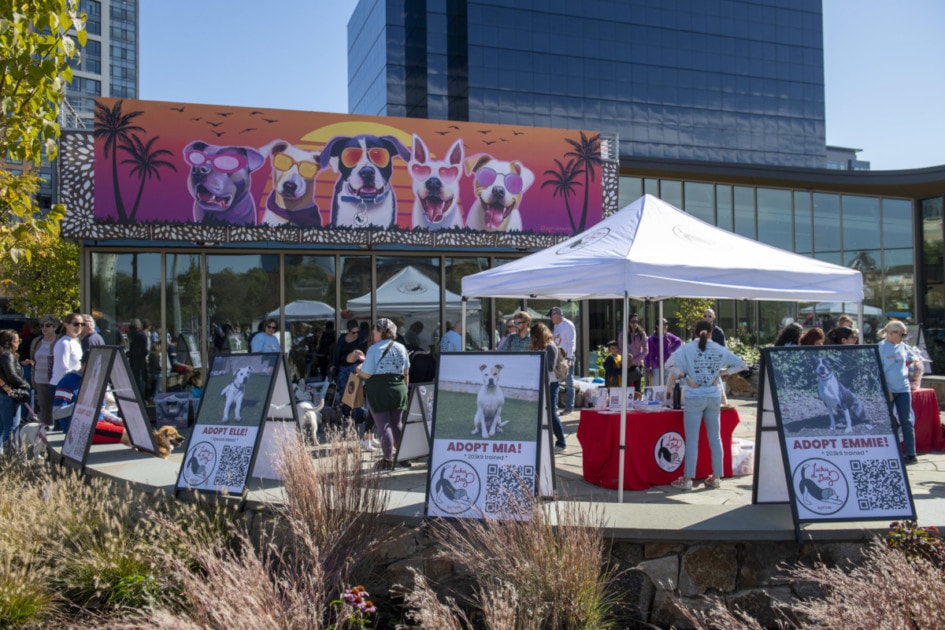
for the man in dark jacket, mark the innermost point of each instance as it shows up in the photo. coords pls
(139, 345)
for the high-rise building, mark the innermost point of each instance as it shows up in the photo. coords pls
(106, 66)
(709, 80)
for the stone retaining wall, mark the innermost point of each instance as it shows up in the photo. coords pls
(746, 575)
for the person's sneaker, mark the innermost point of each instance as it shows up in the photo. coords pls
(567, 411)
(683, 483)
(384, 464)
(911, 459)
(561, 448)
(367, 445)
(713, 482)
(404, 463)
(375, 442)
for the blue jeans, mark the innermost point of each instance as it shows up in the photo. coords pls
(556, 425)
(9, 420)
(902, 401)
(568, 390)
(697, 410)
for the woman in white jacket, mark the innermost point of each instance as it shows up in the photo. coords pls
(701, 362)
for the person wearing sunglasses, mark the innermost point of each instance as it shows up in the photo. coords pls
(67, 353)
(41, 353)
(519, 340)
(899, 363)
(265, 340)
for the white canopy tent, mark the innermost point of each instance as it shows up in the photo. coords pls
(653, 250)
(305, 310)
(411, 295)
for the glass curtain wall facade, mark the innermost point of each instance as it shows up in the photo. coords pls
(709, 80)
(871, 234)
(208, 303)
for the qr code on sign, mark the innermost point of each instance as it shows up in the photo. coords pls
(879, 484)
(234, 466)
(509, 488)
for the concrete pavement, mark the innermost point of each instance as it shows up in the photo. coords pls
(660, 513)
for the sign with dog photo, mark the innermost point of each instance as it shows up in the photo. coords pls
(106, 364)
(487, 428)
(415, 438)
(260, 172)
(842, 460)
(226, 435)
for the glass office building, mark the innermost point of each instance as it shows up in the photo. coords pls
(714, 80)
(716, 107)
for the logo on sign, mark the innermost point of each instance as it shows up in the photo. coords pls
(199, 464)
(584, 241)
(455, 487)
(821, 486)
(670, 450)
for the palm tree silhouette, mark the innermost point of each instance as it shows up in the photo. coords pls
(564, 180)
(147, 163)
(587, 154)
(115, 128)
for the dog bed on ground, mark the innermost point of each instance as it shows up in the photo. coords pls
(107, 432)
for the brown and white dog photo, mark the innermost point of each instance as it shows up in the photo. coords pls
(292, 200)
(499, 187)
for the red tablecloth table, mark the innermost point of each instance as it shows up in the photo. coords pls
(928, 422)
(654, 444)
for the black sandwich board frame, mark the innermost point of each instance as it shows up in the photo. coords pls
(826, 469)
(224, 452)
(106, 364)
(471, 475)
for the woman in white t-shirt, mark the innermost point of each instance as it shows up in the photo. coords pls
(41, 352)
(67, 353)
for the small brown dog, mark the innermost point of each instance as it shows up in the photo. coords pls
(165, 438)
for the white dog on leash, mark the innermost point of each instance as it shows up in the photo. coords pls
(489, 402)
(234, 392)
(30, 438)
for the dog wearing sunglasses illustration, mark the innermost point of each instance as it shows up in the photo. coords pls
(363, 195)
(292, 201)
(499, 187)
(436, 186)
(220, 183)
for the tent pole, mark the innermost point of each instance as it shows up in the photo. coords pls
(659, 327)
(623, 397)
(859, 321)
(462, 346)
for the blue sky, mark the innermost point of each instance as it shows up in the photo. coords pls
(883, 65)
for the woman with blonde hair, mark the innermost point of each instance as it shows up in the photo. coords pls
(541, 339)
(898, 362)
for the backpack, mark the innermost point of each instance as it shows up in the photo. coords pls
(562, 365)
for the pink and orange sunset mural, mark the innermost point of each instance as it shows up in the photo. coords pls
(179, 163)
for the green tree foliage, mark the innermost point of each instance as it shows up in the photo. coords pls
(38, 39)
(46, 280)
(690, 311)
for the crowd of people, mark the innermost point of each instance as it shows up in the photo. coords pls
(378, 354)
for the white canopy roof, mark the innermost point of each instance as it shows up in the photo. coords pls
(305, 310)
(406, 292)
(652, 250)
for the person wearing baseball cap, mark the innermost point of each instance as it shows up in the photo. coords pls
(564, 338)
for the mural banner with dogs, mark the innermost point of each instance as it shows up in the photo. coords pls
(842, 459)
(216, 166)
(487, 435)
(228, 428)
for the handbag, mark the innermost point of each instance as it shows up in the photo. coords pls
(354, 392)
(19, 395)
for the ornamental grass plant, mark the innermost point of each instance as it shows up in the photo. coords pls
(542, 567)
